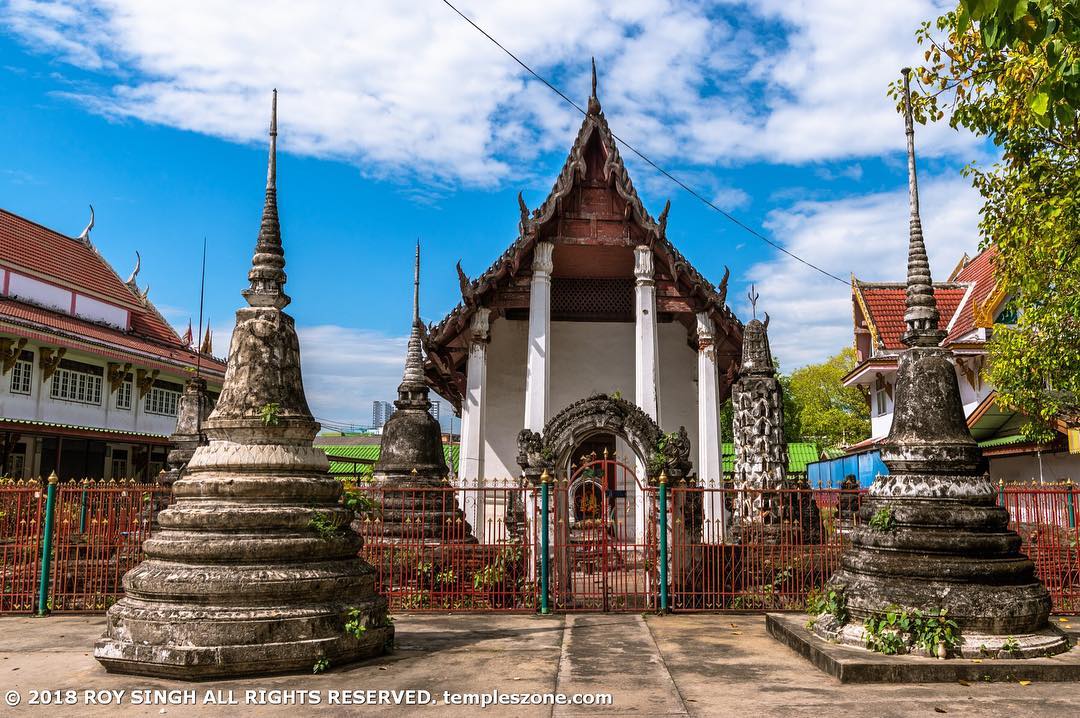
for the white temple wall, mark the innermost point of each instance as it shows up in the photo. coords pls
(586, 358)
(505, 396)
(1055, 468)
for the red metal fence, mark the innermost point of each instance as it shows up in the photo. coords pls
(477, 549)
(97, 532)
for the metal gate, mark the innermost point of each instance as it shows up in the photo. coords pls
(604, 547)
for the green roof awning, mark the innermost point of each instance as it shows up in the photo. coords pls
(1003, 441)
(799, 455)
(370, 452)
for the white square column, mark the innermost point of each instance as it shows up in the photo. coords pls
(710, 466)
(646, 364)
(471, 463)
(538, 371)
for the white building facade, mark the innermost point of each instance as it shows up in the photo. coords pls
(91, 372)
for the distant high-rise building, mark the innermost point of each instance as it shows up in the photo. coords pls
(383, 410)
(380, 412)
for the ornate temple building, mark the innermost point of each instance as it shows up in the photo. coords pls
(92, 376)
(590, 298)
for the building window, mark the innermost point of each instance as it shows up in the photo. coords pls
(163, 398)
(75, 381)
(123, 395)
(22, 373)
(119, 464)
(879, 396)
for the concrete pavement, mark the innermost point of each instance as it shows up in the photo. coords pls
(693, 664)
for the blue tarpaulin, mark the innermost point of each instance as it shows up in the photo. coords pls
(830, 473)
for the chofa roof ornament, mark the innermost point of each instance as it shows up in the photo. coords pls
(84, 236)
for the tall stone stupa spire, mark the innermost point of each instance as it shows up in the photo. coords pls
(411, 457)
(240, 580)
(939, 541)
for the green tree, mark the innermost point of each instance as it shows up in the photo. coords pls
(827, 412)
(1010, 70)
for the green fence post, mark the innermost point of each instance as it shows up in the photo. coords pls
(663, 543)
(46, 545)
(82, 511)
(1072, 504)
(545, 494)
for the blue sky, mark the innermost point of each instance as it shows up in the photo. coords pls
(399, 121)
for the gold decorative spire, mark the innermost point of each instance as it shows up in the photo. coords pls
(267, 275)
(921, 314)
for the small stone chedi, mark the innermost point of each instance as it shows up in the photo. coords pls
(411, 459)
(254, 570)
(932, 537)
(191, 414)
(761, 456)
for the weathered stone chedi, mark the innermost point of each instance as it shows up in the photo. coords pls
(416, 500)
(942, 542)
(241, 580)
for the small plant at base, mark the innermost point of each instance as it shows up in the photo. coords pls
(1011, 646)
(935, 629)
(269, 413)
(326, 528)
(885, 633)
(320, 665)
(882, 520)
(831, 602)
(355, 625)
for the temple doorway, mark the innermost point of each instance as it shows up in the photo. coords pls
(606, 563)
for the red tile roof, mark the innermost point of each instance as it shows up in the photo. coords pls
(42, 252)
(885, 304)
(63, 260)
(52, 324)
(980, 272)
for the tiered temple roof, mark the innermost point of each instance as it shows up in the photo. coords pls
(595, 218)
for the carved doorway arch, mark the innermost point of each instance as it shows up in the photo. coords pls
(603, 414)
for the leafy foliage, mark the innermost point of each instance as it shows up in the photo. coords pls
(827, 412)
(269, 413)
(882, 520)
(896, 631)
(1010, 70)
(355, 626)
(326, 527)
(320, 665)
(830, 601)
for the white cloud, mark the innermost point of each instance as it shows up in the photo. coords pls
(812, 314)
(344, 369)
(411, 90)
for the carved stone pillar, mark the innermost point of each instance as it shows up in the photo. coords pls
(471, 472)
(538, 368)
(710, 468)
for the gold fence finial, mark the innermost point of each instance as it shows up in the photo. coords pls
(545, 477)
(53, 478)
(663, 476)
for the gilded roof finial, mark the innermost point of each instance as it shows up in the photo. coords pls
(267, 275)
(921, 314)
(594, 102)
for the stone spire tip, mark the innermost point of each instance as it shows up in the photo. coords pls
(267, 275)
(413, 387)
(921, 313)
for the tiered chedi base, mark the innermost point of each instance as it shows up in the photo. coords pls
(948, 546)
(254, 570)
(421, 512)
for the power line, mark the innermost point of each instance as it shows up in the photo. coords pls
(690, 190)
